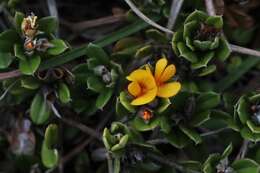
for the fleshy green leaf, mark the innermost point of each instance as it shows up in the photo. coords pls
(126, 102)
(5, 60)
(186, 53)
(39, 110)
(48, 24)
(50, 157)
(30, 65)
(215, 21)
(18, 18)
(223, 51)
(51, 136)
(7, 40)
(103, 98)
(192, 134)
(63, 93)
(140, 125)
(59, 46)
(95, 84)
(19, 51)
(96, 52)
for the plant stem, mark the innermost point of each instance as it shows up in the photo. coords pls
(145, 18)
(210, 7)
(175, 10)
(83, 128)
(168, 162)
(243, 150)
(213, 132)
(109, 163)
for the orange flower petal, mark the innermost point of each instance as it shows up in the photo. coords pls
(146, 98)
(137, 75)
(159, 67)
(134, 89)
(168, 73)
(169, 89)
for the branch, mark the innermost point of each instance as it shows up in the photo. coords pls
(175, 10)
(210, 7)
(168, 162)
(10, 74)
(243, 150)
(83, 128)
(145, 18)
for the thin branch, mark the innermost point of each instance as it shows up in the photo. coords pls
(82, 145)
(83, 128)
(81, 26)
(213, 132)
(243, 50)
(168, 162)
(110, 163)
(145, 18)
(243, 150)
(10, 74)
(210, 7)
(175, 10)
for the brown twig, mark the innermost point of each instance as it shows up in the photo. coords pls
(175, 10)
(83, 128)
(10, 74)
(243, 150)
(210, 7)
(82, 145)
(81, 26)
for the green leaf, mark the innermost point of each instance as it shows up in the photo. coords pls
(207, 101)
(122, 143)
(103, 98)
(189, 28)
(207, 70)
(156, 36)
(249, 135)
(51, 136)
(59, 46)
(96, 52)
(140, 125)
(254, 128)
(204, 61)
(30, 83)
(246, 166)
(94, 83)
(126, 102)
(243, 110)
(18, 18)
(199, 118)
(19, 51)
(192, 134)
(5, 60)
(227, 151)
(177, 37)
(64, 93)
(48, 24)
(164, 103)
(223, 51)
(215, 21)
(143, 51)
(50, 157)
(165, 124)
(177, 138)
(197, 15)
(7, 40)
(186, 53)
(30, 65)
(39, 110)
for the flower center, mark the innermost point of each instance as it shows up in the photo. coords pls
(255, 110)
(206, 32)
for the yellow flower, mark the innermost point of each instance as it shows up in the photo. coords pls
(143, 86)
(162, 74)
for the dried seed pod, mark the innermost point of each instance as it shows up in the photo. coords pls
(29, 26)
(29, 46)
(43, 44)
